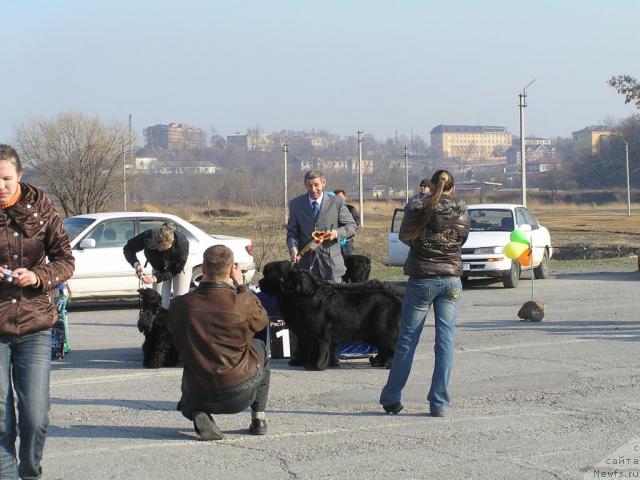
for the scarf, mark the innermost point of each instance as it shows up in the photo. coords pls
(13, 200)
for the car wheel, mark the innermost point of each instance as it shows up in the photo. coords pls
(196, 278)
(511, 278)
(542, 270)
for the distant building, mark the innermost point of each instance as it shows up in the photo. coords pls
(320, 143)
(261, 142)
(204, 168)
(531, 141)
(589, 139)
(367, 166)
(173, 137)
(238, 140)
(476, 186)
(379, 191)
(332, 165)
(470, 143)
(150, 165)
(537, 152)
(145, 163)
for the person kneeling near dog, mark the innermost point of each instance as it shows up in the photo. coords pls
(226, 369)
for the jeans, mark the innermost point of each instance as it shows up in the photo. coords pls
(255, 397)
(445, 294)
(25, 362)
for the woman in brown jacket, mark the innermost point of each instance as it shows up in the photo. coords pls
(30, 233)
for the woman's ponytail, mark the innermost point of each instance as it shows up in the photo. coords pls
(441, 181)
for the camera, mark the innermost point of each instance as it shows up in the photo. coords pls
(7, 275)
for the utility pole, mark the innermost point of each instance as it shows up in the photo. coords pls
(285, 150)
(360, 187)
(124, 166)
(523, 163)
(405, 149)
(626, 153)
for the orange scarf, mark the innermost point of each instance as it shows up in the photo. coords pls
(15, 198)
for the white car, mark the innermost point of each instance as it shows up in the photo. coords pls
(482, 253)
(101, 270)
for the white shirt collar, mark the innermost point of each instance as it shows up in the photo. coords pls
(319, 200)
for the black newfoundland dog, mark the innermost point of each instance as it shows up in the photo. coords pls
(323, 316)
(157, 350)
(358, 268)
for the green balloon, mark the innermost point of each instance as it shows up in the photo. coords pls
(519, 236)
(513, 250)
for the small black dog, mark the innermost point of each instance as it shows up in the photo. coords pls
(157, 350)
(324, 316)
(358, 268)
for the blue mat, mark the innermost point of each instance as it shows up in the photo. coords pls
(357, 349)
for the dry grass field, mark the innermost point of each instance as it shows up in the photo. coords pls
(569, 224)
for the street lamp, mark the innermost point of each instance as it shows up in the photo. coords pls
(285, 151)
(523, 164)
(360, 187)
(626, 154)
(405, 149)
(124, 166)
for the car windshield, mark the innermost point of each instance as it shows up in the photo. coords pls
(73, 226)
(491, 220)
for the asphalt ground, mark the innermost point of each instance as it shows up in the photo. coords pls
(530, 400)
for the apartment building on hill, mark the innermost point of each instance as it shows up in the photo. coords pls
(173, 137)
(589, 139)
(472, 143)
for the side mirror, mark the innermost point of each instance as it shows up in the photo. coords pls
(88, 243)
(525, 227)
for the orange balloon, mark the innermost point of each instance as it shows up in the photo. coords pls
(525, 258)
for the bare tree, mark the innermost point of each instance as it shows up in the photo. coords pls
(78, 159)
(628, 86)
(268, 230)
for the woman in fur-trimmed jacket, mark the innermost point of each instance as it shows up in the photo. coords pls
(30, 233)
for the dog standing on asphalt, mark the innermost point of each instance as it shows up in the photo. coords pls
(157, 350)
(323, 316)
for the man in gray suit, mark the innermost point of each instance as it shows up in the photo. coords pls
(319, 211)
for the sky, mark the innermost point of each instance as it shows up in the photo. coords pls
(338, 65)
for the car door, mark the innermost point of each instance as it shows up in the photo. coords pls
(523, 217)
(102, 269)
(397, 251)
(539, 236)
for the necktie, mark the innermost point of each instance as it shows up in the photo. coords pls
(315, 207)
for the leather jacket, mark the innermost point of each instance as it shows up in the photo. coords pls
(436, 252)
(31, 232)
(213, 328)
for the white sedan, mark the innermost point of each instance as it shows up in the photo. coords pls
(482, 253)
(101, 270)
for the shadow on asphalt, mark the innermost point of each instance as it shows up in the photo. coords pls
(89, 305)
(323, 413)
(628, 331)
(120, 431)
(107, 358)
(602, 276)
(151, 405)
(98, 324)
(491, 283)
(351, 364)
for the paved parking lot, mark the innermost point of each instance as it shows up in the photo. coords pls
(547, 400)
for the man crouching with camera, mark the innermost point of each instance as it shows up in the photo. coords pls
(226, 369)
